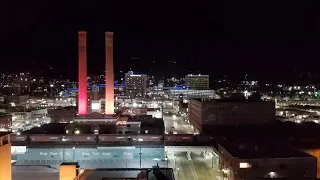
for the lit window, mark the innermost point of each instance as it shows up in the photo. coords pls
(245, 165)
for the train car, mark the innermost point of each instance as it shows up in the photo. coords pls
(46, 138)
(80, 138)
(148, 138)
(202, 138)
(179, 137)
(18, 138)
(113, 138)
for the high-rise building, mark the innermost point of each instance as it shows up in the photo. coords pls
(198, 82)
(135, 84)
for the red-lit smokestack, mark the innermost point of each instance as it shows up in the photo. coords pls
(109, 105)
(82, 86)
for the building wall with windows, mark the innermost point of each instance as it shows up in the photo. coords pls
(5, 121)
(255, 163)
(202, 112)
(135, 84)
(199, 82)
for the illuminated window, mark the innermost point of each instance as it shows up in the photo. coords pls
(245, 165)
(95, 106)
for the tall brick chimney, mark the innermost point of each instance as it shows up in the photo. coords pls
(82, 86)
(109, 105)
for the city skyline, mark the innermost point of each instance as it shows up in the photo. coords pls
(159, 90)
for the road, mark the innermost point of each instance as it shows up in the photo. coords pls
(203, 170)
(172, 118)
(194, 169)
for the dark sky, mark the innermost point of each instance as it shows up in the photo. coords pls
(222, 38)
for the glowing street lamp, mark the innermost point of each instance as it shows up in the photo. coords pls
(77, 131)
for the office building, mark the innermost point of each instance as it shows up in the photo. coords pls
(135, 84)
(203, 113)
(198, 82)
(263, 161)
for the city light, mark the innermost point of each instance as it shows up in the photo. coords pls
(77, 131)
(244, 165)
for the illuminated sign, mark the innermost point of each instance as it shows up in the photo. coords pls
(18, 149)
(121, 122)
(95, 106)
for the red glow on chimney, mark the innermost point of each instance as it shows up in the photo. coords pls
(82, 87)
(109, 104)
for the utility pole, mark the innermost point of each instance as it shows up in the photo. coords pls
(140, 156)
(212, 162)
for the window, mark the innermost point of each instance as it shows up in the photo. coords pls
(245, 165)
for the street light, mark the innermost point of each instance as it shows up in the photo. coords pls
(140, 153)
(177, 169)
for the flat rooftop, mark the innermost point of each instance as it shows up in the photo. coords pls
(34, 172)
(250, 100)
(96, 115)
(262, 151)
(127, 173)
(4, 133)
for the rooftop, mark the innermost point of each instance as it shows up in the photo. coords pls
(127, 173)
(4, 133)
(230, 100)
(262, 151)
(60, 128)
(197, 75)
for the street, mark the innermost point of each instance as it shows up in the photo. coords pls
(194, 169)
(175, 122)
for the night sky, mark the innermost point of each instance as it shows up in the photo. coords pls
(266, 40)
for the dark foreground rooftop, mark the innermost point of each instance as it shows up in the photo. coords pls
(259, 151)
(128, 173)
(4, 133)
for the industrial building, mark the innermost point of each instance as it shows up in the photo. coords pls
(203, 113)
